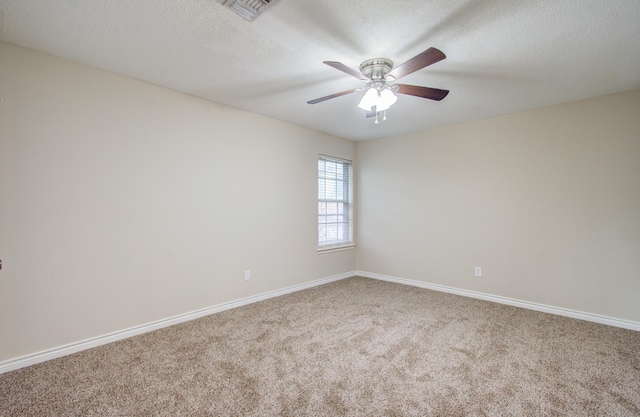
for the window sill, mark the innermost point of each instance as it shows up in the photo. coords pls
(340, 248)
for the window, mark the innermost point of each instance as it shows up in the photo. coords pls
(335, 203)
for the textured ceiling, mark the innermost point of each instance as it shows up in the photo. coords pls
(503, 56)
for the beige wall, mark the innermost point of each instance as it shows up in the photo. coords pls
(546, 201)
(122, 203)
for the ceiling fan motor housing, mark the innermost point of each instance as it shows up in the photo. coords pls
(376, 69)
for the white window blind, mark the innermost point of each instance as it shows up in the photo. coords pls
(335, 202)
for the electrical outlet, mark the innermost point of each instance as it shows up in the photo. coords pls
(478, 271)
(247, 275)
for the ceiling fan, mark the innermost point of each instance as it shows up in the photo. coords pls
(378, 73)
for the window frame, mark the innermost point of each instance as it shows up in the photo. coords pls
(346, 201)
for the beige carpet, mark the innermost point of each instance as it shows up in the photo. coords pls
(357, 347)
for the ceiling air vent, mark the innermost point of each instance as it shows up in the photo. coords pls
(249, 9)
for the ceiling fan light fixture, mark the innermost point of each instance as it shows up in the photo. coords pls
(380, 99)
(369, 99)
(386, 99)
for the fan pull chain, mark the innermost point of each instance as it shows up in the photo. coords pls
(384, 116)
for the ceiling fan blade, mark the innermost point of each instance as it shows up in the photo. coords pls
(424, 92)
(422, 60)
(342, 93)
(340, 66)
(372, 113)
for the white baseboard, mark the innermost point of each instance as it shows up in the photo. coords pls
(596, 318)
(45, 355)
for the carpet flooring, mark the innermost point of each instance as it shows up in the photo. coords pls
(355, 347)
